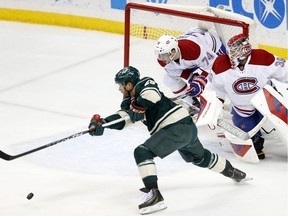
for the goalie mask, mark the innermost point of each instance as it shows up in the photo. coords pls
(164, 47)
(239, 49)
(127, 74)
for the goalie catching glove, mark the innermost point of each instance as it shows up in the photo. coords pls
(95, 126)
(197, 85)
(136, 112)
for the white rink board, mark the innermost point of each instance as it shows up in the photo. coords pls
(102, 9)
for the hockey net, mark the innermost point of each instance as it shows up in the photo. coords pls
(146, 22)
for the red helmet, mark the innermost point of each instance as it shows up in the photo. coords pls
(239, 48)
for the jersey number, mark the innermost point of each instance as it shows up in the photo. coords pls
(280, 62)
(207, 58)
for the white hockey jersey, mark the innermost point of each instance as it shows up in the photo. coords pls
(240, 86)
(198, 49)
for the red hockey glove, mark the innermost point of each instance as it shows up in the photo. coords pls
(136, 112)
(135, 108)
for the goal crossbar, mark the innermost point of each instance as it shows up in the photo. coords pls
(155, 9)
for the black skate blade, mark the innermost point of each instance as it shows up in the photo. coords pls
(243, 180)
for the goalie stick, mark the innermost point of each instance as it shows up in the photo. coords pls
(8, 157)
(238, 139)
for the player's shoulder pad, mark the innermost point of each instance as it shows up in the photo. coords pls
(146, 81)
(149, 81)
(261, 57)
(189, 49)
(148, 88)
(221, 64)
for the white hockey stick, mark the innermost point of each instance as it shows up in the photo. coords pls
(182, 96)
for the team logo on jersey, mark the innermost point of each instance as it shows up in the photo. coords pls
(270, 12)
(152, 82)
(245, 85)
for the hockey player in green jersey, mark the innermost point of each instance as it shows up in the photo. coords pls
(171, 129)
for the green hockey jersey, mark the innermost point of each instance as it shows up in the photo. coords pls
(160, 110)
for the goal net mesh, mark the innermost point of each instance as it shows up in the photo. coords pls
(147, 26)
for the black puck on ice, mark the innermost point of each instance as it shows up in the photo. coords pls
(30, 196)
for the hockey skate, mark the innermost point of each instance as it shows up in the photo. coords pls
(152, 201)
(258, 143)
(236, 175)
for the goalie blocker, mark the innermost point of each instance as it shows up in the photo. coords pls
(272, 104)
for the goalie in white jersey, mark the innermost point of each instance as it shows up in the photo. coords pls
(240, 76)
(187, 60)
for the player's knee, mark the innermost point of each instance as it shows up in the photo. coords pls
(142, 153)
(203, 161)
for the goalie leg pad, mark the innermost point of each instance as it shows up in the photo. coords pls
(270, 103)
(243, 149)
(247, 123)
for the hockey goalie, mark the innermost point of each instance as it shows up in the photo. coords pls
(258, 108)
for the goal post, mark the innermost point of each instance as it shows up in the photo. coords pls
(146, 22)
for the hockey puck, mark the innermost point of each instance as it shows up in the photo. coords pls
(30, 196)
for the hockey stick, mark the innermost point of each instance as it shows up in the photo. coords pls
(181, 96)
(8, 157)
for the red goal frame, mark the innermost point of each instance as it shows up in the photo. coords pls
(131, 5)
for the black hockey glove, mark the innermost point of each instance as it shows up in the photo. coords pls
(95, 126)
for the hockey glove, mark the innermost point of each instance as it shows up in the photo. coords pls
(95, 126)
(136, 112)
(197, 85)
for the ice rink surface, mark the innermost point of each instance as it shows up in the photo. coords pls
(52, 80)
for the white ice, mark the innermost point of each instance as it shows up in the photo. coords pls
(52, 80)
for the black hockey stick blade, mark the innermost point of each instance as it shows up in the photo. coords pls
(5, 156)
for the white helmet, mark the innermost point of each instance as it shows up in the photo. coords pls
(239, 49)
(165, 44)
